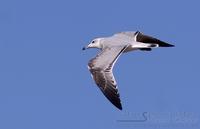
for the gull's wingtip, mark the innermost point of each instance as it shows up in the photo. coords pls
(164, 44)
(120, 107)
(168, 45)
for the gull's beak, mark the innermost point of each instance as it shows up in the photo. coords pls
(84, 48)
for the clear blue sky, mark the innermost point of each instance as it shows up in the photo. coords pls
(44, 80)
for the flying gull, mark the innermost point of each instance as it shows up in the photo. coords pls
(111, 48)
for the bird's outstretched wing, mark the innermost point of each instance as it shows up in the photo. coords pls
(140, 37)
(101, 69)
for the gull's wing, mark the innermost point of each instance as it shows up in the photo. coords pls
(140, 37)
(101, 69)
(148, 39)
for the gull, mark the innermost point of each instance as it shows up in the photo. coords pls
(111, 48)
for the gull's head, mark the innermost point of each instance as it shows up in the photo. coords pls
(96, 43)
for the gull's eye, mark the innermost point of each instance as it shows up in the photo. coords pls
(93, 41)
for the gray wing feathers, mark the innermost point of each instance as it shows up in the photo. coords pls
(101, 70)
(105, 57)
(130, 34)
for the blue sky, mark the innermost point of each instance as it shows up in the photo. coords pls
(44, 81)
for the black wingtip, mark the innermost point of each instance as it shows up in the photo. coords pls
(120, 107)
(166, 45)
(113, 97)
(171, 45)
(148, 39)
(117, 105)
